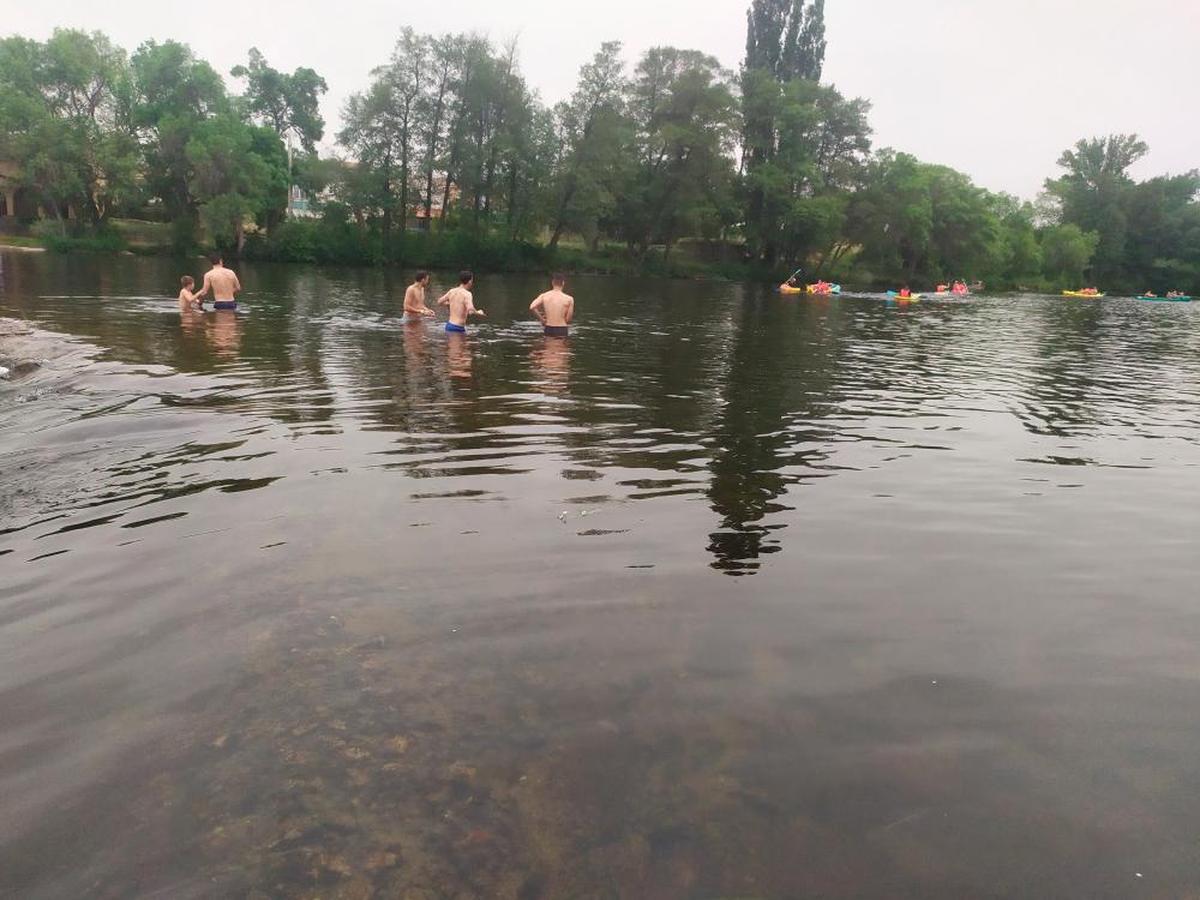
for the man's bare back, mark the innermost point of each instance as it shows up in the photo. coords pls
(555, 308)
(221, 282)
(461, 303)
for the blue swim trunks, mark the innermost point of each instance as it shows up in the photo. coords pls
(224, 304)
(456, 329)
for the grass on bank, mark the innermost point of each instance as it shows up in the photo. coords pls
(344, 244)
(15, 240)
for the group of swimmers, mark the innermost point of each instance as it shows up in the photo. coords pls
(554, 308)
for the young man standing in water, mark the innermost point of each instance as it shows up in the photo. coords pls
(222, 283)
(414, 299)
(554, 308)
(461, 303)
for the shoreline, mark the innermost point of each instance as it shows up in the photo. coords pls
(687, 271)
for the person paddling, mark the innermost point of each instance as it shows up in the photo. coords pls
(554, 308)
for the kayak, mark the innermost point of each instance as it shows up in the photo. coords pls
(832, 289)
(784, 289)
(1081, 294)
(1167, 299)
(892, 295)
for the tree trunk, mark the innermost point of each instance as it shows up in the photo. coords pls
(387, 212)
(512, 202)
(480, 141)
(434, 129)
(489, 180)
(568, 195)
(404, 191)
(446, 196)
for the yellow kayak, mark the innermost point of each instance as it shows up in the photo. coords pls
(784, 289)
(1081, 294)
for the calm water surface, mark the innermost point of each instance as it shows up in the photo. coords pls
(728, 595)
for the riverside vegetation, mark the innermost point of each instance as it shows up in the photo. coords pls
(672, 165)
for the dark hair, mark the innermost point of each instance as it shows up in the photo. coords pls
(558, 278)
(187, 281)
(466, 276)
(420, 276)
(215, 258)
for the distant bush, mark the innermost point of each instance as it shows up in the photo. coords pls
(335, 239)
(77, 240)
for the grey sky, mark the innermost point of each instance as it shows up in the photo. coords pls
(996, 88)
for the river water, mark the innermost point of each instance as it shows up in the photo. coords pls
(727, 595)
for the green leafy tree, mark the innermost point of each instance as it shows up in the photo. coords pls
(530, 168)
(433, 109)
(290, 104)
(823, 144)
(1017, 254)
(472, 60)
(1093, 193)
(786, 39)
(371, 134)
(593, 136)
(64, 120)
(915, 220)
(684, 119)
(1067, 252)
(172, 94)
(238, 173)
(381, 128)
(1161, 246)
(785, 43)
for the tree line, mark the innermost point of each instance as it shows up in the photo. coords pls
(448, 153)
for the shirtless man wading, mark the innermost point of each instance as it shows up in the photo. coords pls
(461, 303)
(414, 299)
(222, 283)
(554, 308)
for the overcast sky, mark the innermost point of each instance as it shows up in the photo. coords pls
(996, 88)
